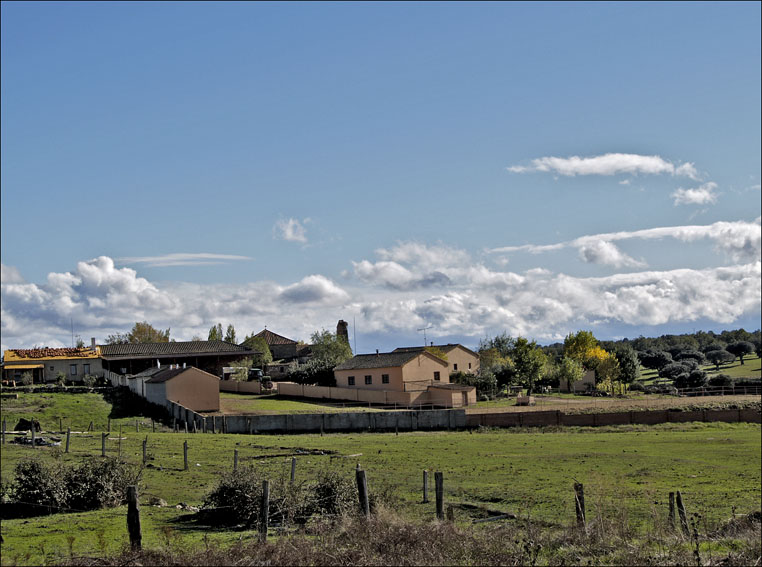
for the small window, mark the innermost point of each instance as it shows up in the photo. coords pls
(86, 368)
(469, 366)
(436, 375)
(282, 369)
(455, 367)
(369, 379)
(351, 381)
(73, 369)
(384, 378)
(52, 368)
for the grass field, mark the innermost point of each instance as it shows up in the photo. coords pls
(527, 472)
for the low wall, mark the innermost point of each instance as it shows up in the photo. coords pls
(384, 397)
(408, 420)
(240, 387)
(650, 417)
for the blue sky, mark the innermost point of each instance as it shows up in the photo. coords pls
(532, 168)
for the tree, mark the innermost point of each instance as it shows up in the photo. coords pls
(569, 371)
(485, 384)
(629, 366)
(740, 349)
(693, 354)
(696, 378)
(118, 339)
(260, 346)
(436, 351)
(215, 333)
(143, 332)
(328, 348)
(80, 342)
(241, 372)
(654, 359)
(577, 346)
(503, 344)
(230, 334)
(529, 362)
(719, 356)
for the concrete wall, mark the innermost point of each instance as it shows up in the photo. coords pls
(545, 418)
(240, 387)
(386, 397)
(156, 393)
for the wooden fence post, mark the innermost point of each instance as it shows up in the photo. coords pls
(90, 427)
(133, 518)
(681, 512)
(68, 435)
(153, 426)
(137, 426)
(145, 452)
(3, 431)
(235, 459)
(185, 423)
(293, 469)
(450, 513)
(185, 455)
(671, 517)
(195, 427)
(34, 442)
(439, 489)
(119, 445)
(362, 492)
(579, 503)
(203, 426)
(60, 425)
(425, 487)
(103, 444)
(264, 511)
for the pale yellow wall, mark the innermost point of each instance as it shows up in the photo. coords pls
(462, 358)
(195, 390)
(395, 378)
(51, 368)
(422, 368)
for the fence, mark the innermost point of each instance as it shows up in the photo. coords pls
(650, 417)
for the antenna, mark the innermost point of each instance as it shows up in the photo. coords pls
(72, 332)
(424, 333)
(354, 331)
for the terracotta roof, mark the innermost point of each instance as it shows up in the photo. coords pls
(184, 348)
(382, 360)
(274, 338)
(444, 348)
(23, 354)
(169, 373)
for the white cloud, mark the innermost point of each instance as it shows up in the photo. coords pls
(597, 251)
(702, 195)
(182, 259)
(291, 230)
(607, 164)
(10, 274)
(738, 239)
(315, 288)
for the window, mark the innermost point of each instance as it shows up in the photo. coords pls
(369, 379)
(73, 369)
(351, 381)
(86, 368)
(455, 367)
(469, 366)
(384, 378)
(52, 368)
(436, 375)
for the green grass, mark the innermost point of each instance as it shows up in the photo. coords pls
(751, 368)
(274, 404)
(530, 472)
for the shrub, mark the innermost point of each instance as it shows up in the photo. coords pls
(637, 387)
(721, 381)
(27, 378)
(89, 380)
(37, 488)
(236, 498)
(98, 483)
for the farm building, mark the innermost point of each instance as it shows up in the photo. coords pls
(287, 353)
(45, 364)
(210, 356)
(190, 387)
(459, 358)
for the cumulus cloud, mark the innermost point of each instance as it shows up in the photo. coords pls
(315, 288)
(182, 259)
(597, 251)
(702, 195)
(291, 230)
(607, 164)
(9, 275)
(740, 240)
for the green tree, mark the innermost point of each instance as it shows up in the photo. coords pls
(259, 345)
(142, 332)
(328, 348)
(80, 342)
(241, 372)
(740, 349)
(230, 334)
(118, 339)
(629, 366)
(215, 333)
(568, 371)
(718, 357)
(578, 345)
(529, 362)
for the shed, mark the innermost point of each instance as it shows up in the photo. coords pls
(190, 387)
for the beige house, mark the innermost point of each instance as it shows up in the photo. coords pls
(399, 371)
(45, 364)
(190, 387)
(459, 358)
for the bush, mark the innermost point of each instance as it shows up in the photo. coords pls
(236, 498)
(98, 483)
(37, 488)
(637, 387)
(89, 380)
(27, 378)
(721, 381)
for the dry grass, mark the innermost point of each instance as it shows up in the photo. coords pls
(386, 539)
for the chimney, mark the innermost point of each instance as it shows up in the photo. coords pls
(92, 344)
(376, 352)
(342, 330)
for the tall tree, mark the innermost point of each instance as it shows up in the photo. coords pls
(578, 345)
(629, 366)
(259, 345)
(740, 349)
(144, 332)
(215, 333)
(329, 349)
(719, 356)
(529, 362)
(230, 334)
(568, 371)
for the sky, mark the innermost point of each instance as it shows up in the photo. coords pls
(465, 168)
